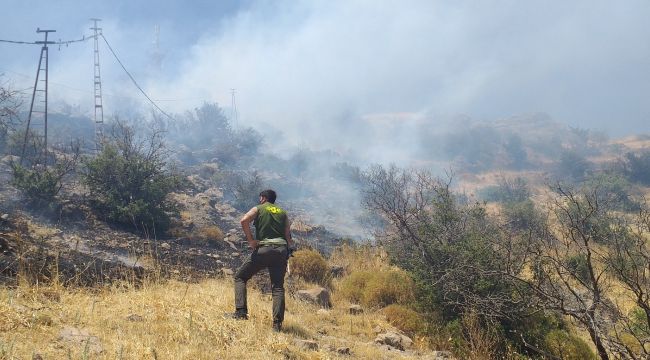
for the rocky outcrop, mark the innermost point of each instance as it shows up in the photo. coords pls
(319, 296)
(355, 309)
(395, 340)
(81, 337)
(306, 344)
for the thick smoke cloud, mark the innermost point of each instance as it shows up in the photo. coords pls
(318, 70)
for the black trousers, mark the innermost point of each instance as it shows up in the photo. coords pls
(273, 257)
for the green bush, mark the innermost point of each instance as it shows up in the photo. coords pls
(309, 265)
(407, 320)
(378, 288)
(38, 184)
(566, 346)
(129, 181)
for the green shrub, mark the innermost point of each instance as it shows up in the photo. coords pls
(378, 288)
(309, 265)
(566, 346)
(407, 320)
(38, 184)
(129, 180)
(41, 183)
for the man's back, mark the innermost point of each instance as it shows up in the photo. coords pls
(270, 223)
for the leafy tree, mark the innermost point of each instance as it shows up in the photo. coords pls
(129, 180)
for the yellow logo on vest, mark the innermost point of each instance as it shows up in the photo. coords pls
(274, 210)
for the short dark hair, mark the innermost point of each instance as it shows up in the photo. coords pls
(270, 195)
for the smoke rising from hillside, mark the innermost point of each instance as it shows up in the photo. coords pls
(322, 72)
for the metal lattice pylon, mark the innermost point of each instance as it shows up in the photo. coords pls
(97, 79)
(36, 130)
(234, 115)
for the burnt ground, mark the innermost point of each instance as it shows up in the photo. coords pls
(67, 243)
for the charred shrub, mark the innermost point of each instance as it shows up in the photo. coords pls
(130, 179)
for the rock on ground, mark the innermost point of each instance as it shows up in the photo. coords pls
(319, 296)
(306, 344)
(355, 309)
(395, 340)
(82, 337)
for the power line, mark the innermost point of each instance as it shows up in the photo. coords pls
(60, 42)
(18, 42)
(133, 80)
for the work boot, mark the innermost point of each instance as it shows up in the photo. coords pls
(277, 327)
(237, 315)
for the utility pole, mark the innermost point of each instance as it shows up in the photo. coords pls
(157, 54)
(99, 106)
(234, 116)
(42, 68)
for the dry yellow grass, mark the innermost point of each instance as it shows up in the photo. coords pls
(177, 321)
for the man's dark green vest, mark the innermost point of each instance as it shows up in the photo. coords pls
(270, 223)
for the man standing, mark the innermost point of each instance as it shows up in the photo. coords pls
(270, 249)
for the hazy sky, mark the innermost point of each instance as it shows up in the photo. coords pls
(318, 68)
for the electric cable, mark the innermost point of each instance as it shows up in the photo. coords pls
(133, 79)
(18, 42)
(60, 42)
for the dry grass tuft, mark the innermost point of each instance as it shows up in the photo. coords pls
(405, 319)
(360, 257)
(310, 266)
(210, 234)
(377, 289)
